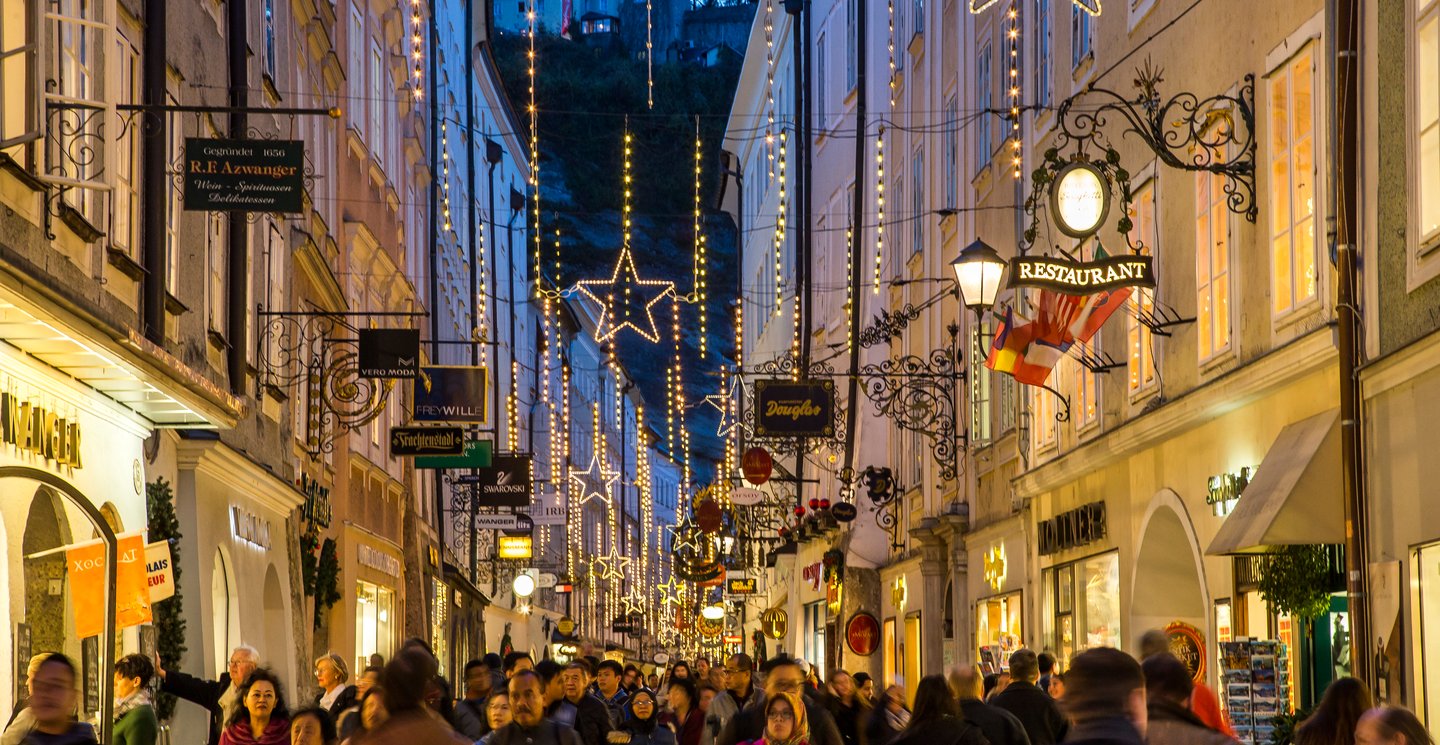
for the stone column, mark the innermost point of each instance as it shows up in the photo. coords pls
(933, 571)
(953, 527)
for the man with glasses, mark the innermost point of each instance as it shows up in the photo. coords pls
(221, 697)
(782, 674)
(739, 691)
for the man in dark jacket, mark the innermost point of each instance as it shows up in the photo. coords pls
(1000, 726)
(739, 692)
(590, 716)
(1033, 707)
(530, 725)
(782, 675)
(1105, 698)
(221, 697)
(470, 718)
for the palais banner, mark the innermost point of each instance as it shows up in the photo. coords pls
(1082, 277)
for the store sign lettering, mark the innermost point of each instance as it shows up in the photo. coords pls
(1082, 278)
(249, 527)
(1227, 487)
(380, 561)
(1068, 530)
(35, 429)
(317, 502)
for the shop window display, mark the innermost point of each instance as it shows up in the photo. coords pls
(998, 630)
(1082, 606)
(374, 619)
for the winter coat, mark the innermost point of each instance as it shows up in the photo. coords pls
(644, 731)
(723, 708)
(1036, 711)
(137, 727)
(276, 732)
(548, 732)
(345, 700)
(946, 730)
(1105, 731)
(1000, 726)
(206, 693)
(1172, 724)
(749, 725)
(592, 718)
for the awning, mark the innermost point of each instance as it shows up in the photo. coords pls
(1295, 496)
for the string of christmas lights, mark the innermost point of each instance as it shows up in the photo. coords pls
(879, 209)
(417, 42)
(1012, 35)
(649, 57)
(700, 292)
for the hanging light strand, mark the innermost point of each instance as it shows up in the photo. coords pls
(879, 209)
(417, 50)
(700, 280)
(1012, 35)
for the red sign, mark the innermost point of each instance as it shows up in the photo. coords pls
(708, 515)
(862, 634)
(757, 465)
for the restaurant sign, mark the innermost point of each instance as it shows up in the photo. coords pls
(1082, 277)
(244, 175)
(794, 409)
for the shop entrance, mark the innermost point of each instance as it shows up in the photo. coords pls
(46, 530)
(1167, 585)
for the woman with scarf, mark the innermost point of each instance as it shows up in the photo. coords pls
(135, 721)
(785, 721)
(888, 718)
(263, 718)
(641, 725)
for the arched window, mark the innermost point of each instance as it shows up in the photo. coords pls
(223, 613)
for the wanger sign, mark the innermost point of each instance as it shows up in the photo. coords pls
(1082, 277)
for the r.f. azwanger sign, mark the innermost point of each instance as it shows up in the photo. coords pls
(1082, 277)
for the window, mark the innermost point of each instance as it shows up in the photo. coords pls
(17, 93)
(1087, 385)
(1139, 341)
(125, 234)
(1212, 264)
(1043, 52)
(822, 114)
(216, 271)
(1082, 606)
(852, 35)
(980, 381)
(1005, 402)
(1292, 183)
(174, 207)
(268, 18)
(356, 68)
(378, 96)
(1080, 49)
(985, 100)
(917, 200)
(952, 151)
(1042, 418)
(918, 10)
(374, 625)
(1425, 122)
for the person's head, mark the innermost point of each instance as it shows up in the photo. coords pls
(368, 679)
(497, 709)
(1046, 663)
(330, 671)
(1105, 682)
(527, 698)
(782, 675)
(132, 673)
(865, 686)
(552, 681)
(680, 670)
(785, 719)
(53, 692)
(630, 677)
(1391, 725)
(933, 700)
(312, 725)
(1340, 708)
(842, 685)
(739, 674)
(653, 680)
(416, 642)
(702, 666)
(576, 678)
(681, 695)
(641, 705)
(243, 661)
(707, 694)
(517, 661)
(377, 660)
(895, 698)
(608, 676)
(372, 708)
(1056, 688)
(1152, 642)
(477, 679)
(965, 683)
(992, 681)
(1167, 679)
(262, 697)
(407, 680)
(1024, 666)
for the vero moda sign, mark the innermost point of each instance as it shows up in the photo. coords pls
(389, 353)
(451, 394)
(507, 482)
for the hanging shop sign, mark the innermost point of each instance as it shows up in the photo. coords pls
(1082, 277)
(408, 441)
(316, 510)
(566, 626)
(843, 512)
(811, 574)
(515, 547)
(708, 515)
(34, 429)
(995, 567)
(757, 465)
(477, 454)
(775, 622)
(85, 567)
(733, 639)
(549, 508)
(244, 175)
(546, 581)
(785, 408)
(710, 627)
(159, 573)
(369, 556)
(1188, 645)
(451, 394)
(507, 482)
(743, 497)
(563, 587)
(862, 634)
(249, 527)
(1071, 529)
(745, 586)
(631, 623)
(1079, 199)
(496, 522)
(389, 353)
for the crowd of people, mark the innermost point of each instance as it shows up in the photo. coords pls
(1106, 697)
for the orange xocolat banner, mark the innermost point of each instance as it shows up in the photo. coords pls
(85, 565)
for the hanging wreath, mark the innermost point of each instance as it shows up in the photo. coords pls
(1296, 581)
(833, 563)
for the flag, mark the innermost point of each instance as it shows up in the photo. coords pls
(1097, 308)
(566, 11)
(1028, 350)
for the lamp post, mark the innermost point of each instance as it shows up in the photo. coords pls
(979, 269)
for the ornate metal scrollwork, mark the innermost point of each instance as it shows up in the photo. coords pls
(918, 395)
(74, 155)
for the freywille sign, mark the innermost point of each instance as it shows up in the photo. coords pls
(389, 353)
(1077, 527)
(789, 409)
(426, 441)
(507, 482)
(451, 394)
(244, 175)
(1082, 277)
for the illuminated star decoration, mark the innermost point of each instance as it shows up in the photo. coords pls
(686, 536)
(633, 605)
(1089, 6)
(724, 403)
(611, 567)
(622, 293)
(595, 473)
(671, 592)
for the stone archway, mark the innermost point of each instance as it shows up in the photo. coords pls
(277, 639)
(46, 529)
(1168, 583)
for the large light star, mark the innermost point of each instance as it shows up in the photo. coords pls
(671, 592)
(595, 473)
(622, 292)
(611, 567)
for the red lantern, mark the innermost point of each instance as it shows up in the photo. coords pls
(824, 504)
(799, 511)
(814, 503)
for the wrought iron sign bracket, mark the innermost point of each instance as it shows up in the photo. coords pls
(1160, 318)
(918, 395)
(1097, 361)
(1063, 414)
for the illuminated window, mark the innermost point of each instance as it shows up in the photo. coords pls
(1292, 182)
(374, 622)
(1139, 341)
(1042, 417)
(1212, 264)
(984, 95)
(1080, 41)
(268, 19)
(1425, 132)
(1043, 52)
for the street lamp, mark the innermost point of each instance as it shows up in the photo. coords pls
(979, 269)
(713, 612)
(524, 585)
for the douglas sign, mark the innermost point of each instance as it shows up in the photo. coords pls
(794, 409)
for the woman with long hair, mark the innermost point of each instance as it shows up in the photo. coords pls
(262, 718)
(937, 718)
(785, 721)
(1334, 720)
(889, 717)
(1391, 725)
(641, 723)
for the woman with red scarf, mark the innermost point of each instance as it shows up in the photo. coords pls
(262, 718)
